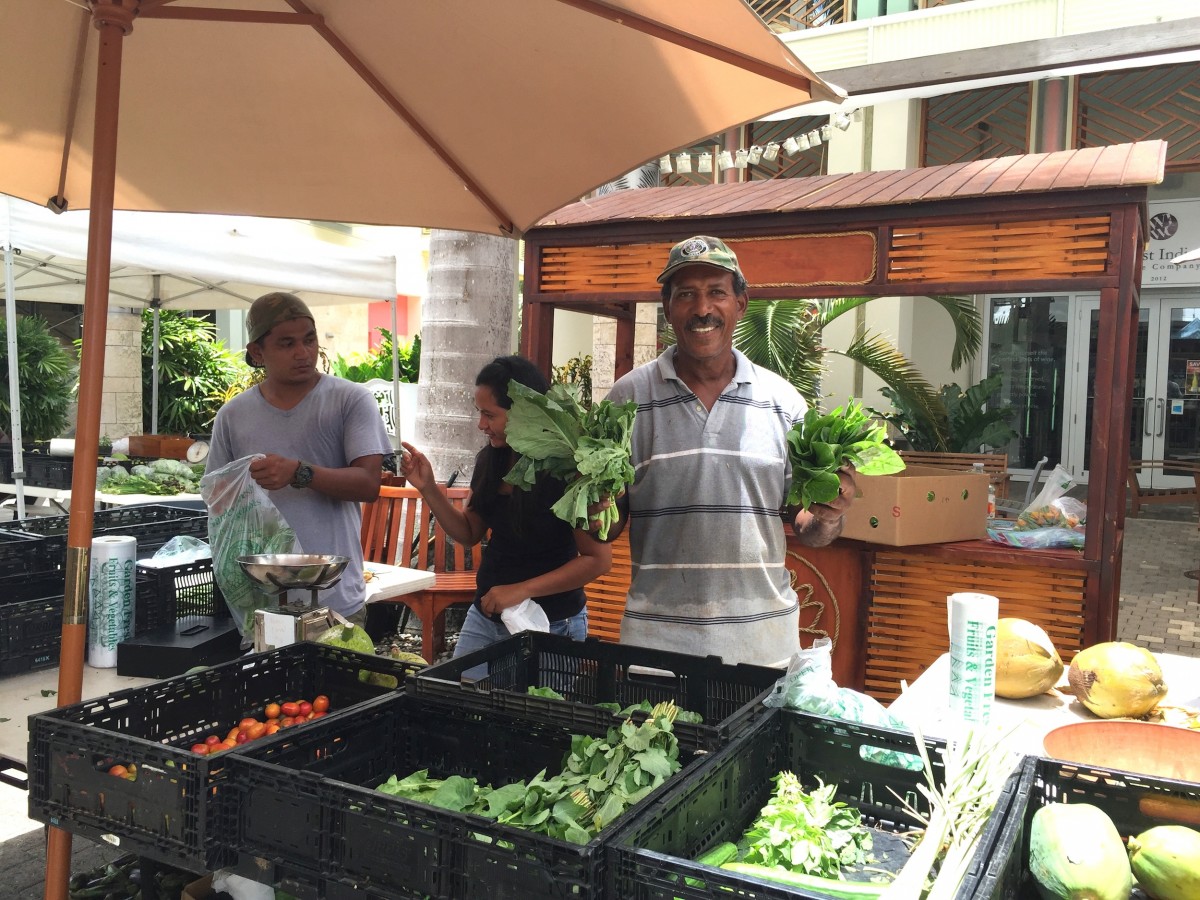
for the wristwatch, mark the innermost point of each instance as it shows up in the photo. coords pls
(304, 475)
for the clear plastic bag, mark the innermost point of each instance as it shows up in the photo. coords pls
(183, 548)
(808, 686)
(242, 521)
(1052, 520)
(525, 616)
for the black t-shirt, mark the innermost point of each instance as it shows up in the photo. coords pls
(542, 543)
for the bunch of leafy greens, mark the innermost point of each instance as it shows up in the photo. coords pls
(807, 831)
(820, 444)
(681, 715)
(588, 450)
(600, 779)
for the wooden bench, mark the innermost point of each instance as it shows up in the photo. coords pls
(994, 464)
(1143, 496)
(398, 529)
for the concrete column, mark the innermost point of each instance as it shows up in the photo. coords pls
(121, 403)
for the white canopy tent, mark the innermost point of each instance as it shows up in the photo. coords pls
(184, 261)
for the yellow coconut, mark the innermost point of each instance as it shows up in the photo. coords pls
(1116, 679)
(1026, 662)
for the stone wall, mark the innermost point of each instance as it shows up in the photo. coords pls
(121, 406)
(604, 339)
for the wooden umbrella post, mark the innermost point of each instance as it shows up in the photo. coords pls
(113, 19)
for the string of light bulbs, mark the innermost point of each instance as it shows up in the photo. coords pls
(753, 155)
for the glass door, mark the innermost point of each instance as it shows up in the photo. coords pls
(1165, 417)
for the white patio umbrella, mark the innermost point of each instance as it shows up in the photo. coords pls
(473, 115)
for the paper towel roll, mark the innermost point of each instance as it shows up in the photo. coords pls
(62, 446)
(972, 621)
(111, 594)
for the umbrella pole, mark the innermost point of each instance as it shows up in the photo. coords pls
(395, 379)
(113, 21)
(14, 382)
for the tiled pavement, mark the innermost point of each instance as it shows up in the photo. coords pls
(1159, 610)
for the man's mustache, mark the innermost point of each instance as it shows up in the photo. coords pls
(705, 322)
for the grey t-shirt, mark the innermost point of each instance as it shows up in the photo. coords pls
(337, 423)
(706, 536)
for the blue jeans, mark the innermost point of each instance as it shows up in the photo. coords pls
(478, 631)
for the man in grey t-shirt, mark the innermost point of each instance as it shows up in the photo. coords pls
(710, 453)
(323, 440)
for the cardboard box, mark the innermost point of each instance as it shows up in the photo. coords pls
(200, 889)
(159, 446)
(921, 505)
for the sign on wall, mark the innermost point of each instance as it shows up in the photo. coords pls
(1174, 230)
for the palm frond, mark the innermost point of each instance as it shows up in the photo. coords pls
(968, 327)
(875, 353)
(784, 336)
(839, 306)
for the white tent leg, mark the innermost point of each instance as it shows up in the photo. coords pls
(14, 382)
(155, 304)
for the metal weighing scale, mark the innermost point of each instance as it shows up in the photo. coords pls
(278, 573)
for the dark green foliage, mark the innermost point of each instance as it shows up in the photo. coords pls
(48, 375)
(378, 363)
(969, 420)
(821, 443)
(196, 372)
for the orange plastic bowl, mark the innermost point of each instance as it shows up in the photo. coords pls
(1166, 751)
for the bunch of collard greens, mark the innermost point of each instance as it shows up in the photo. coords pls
(586, 450)
(820, 444)
(599, 781)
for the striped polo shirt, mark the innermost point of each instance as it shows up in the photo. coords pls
(706, 535)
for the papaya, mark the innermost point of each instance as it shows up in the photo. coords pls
(1166, 862)
(1115, 679)
(1076, 853)
(1026, 662)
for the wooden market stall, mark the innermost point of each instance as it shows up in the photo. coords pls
(1071, 220)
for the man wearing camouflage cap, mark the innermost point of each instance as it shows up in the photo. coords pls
(710, 452)
(322, 441)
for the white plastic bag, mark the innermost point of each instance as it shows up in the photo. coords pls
(242, 521)
(525, 616)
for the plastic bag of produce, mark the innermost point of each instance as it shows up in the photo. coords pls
(1051, 521)
(808, 686)
(242, 521)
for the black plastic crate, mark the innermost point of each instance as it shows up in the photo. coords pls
(587, 672)
(30, 624)
(1134, 802)
(168, 593)
(24, 556)
(652, 856)
(308, 818)
(153, 525)
(169, 813)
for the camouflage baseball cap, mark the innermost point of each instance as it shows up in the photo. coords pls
(270, 310)
(700, 250)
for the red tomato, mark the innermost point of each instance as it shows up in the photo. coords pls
(242, 737)
(290, 709)
(320, 703)
(202, 749)
(212, 739)
(305, 707)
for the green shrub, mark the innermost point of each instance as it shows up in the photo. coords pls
(49, 376)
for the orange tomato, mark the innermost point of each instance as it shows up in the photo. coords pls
(272, 728)
(286, 721)
(320, 703)
(271, 711)
(118, 770)
(202, 749)
(233, 733)
(255, 731)
(317, 715)
(290, 709)
(228, 745)
(245, 724)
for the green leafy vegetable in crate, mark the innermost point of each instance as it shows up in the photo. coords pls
(681, 715)
(821, 443)
(587, 450)
(600, 779)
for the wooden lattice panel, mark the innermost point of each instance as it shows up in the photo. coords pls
(906, 623)
(979, 124)
(607, 594)
(795, 260)
(1049, 248)
(782, 16)
(1139, 104)
(807, 162)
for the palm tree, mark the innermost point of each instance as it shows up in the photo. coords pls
(785, 337)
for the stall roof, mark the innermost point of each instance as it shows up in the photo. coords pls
(1120, 165)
